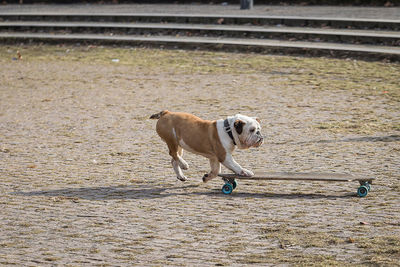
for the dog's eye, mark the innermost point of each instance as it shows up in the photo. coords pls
(252, 130)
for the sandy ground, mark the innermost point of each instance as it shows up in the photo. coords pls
(85, 180)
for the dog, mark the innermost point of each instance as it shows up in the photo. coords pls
(215, 140)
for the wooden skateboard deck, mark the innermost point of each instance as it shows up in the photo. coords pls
(294, 176)
(363, 190)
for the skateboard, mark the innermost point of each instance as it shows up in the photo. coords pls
(362, 191)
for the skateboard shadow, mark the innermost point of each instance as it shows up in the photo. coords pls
(290, 195)
(156, 192)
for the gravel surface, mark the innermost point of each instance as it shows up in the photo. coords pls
(85, 180)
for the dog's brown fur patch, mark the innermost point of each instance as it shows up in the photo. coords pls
(198, 134)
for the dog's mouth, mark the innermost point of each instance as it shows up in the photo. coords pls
(259, 142)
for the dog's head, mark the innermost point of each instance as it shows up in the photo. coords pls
(247, 131)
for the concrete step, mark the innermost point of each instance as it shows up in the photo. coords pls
(356, 23)
(385, 51)
(391, 38)
(380, 37)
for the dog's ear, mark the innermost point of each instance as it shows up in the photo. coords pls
(239, 126)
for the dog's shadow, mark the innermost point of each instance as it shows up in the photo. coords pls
(145, 191)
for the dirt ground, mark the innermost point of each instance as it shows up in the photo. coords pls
(85, 180)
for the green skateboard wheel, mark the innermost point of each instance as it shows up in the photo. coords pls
(227, 188)
(362, 191)
(234, 184)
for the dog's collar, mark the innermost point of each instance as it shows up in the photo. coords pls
(228, 130)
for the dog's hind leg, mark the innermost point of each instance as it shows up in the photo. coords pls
(178, 171)
(182, 163)
(173, 151)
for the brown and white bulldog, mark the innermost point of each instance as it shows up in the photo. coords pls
(214, 140)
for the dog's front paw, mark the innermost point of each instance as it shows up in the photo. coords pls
(206, 178)
(246, 173)
(182, 178)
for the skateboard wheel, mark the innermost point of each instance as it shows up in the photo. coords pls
(362, 191)
(227, 188)
(368, 186)
(234, 184)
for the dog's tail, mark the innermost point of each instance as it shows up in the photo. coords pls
(158, 115)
